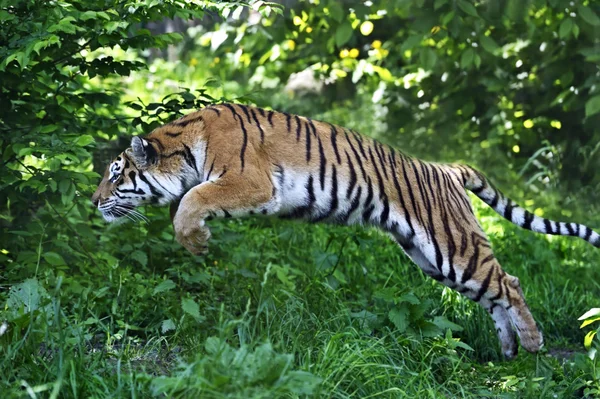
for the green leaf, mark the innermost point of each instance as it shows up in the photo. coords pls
(589, 321)
(140, 257)
(167, 325)
(428, 58)
(590, 313)
(336, 11)
(88, 15)
(399, 317)
(488, 44)
(587, 341)
(166, 285)
(467, 57)
(592, 106)
(588, 15)
(54, 259)
(84, 140)
(190, 307)
(410, 298)
(448, 17)
(468, 8)
(443, 323)
(411, 42)
(565, 28)
(343, 34)
(439, 3)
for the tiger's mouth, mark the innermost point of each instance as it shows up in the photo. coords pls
(112, 211)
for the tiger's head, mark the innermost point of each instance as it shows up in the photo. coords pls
(138, 176)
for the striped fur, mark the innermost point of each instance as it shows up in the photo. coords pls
(231, 160)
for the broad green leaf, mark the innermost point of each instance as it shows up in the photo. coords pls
(399, 317)
(468, 8)
(428, 58)
(411, 42)
(54, 259)
(190, 307)
(467, 57)
(84, 140)
(565, 28)
(448, 17)
(167, 325)
(439, 3)
(336, 11)
(590, 313)
(166, 285)
(443, 323)
(488, 44)
(592, 106)
(343, 33)
(588, 15)
(88, 15)
(140, 257)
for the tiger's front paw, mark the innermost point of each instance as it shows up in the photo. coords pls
(192, 234)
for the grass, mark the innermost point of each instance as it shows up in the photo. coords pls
(282, 309)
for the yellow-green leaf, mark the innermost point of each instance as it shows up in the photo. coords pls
(589, 321)
(587, 341)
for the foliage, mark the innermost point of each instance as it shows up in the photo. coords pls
(590, 363)
(282, 309)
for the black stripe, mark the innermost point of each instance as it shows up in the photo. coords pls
(570, 229)
(288, 118)
(261, 112)
(385, 213)
(379, 153)
(528, 220)
(184, 123)
(210, 170)
(353, 206)
(155, 193)
(547, 226)
(484, 285)
(479, 189)
(377, 174)
(473, 261)
(262, 132)
(359, 142)
(222, 173)
(322, 164)
(411, 194)
(298, 128)
(190, 158)
(312, 126)
(401, 197)
(157, 141)
(431, 226)
(352, 177)
(494, 202)
(245, 133)
(356, 156)
(307, 143)
(588, 233)
(215, 110)
(173, 134)
(270, 118)
(368, 206)
(245, 109)
(225, 213)
(508, 210)
(333, 137)
(333, 193)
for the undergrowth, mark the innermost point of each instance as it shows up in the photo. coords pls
(284, 309)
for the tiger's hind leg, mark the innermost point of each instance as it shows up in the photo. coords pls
(499, 315)
(478, 275)
(232, 195)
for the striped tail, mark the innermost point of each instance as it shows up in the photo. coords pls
(479, 185)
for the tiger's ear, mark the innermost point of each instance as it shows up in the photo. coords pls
(143, 152)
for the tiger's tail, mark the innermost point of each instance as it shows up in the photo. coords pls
(479, 185)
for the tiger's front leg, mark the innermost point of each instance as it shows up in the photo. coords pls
(233, 196)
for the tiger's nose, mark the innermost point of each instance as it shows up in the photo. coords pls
(95, 201)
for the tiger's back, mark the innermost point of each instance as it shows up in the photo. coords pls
(233, 160)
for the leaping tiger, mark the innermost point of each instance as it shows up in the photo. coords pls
(231, 160)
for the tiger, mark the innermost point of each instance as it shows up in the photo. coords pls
(232, 160)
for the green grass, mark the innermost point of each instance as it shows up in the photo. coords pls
(291, 310)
